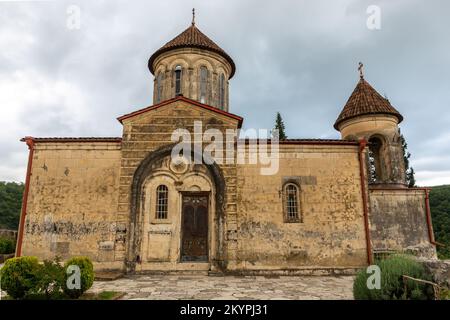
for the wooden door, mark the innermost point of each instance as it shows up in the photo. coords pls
(194, 228)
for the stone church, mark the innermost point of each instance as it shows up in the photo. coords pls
(331, 206)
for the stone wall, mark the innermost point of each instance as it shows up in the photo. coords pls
(332, 232)
(8, 234)
(72, 201)
(398, 221)
(439, 269)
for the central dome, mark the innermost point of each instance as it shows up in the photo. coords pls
(194, 66)
(192, 37)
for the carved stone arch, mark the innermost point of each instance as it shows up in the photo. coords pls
(162, 67)
(203, 62)
(184, 63)
(144, 170)
(159, 173)
(195, 173)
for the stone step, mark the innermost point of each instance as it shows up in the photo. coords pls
(108, 275)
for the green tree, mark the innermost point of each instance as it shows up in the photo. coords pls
(371, 168)
(279, 125)
(440, 214)
(10, 204)
(409, 171)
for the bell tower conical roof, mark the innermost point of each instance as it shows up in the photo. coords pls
(365, 100)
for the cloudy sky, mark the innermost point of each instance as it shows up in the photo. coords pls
(296, 57)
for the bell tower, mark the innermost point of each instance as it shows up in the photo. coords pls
(367, 115)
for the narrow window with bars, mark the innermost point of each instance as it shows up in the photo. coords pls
(291, 192)
(159, 87)
(162, 197)
(178, 81)
(203, 83)
(221, 91)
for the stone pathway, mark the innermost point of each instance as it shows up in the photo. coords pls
(171, 287)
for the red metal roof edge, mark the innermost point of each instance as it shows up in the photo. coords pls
(182, 98)
(72, 139)
(247, 141)
(306, 141)
(402, 189)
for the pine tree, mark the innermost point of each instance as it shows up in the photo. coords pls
(279, 125)
(372, 170)
(409, 171)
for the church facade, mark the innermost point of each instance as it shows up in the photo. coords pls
(330, 206)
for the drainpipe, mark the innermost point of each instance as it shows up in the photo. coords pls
(362, 146)
(30, 143)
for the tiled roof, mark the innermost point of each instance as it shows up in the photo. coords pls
(192, 37)
(74, 139)
(182, 98)
(366, 100)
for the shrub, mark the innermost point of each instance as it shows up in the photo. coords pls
(6, 246)
(392, 285)
(50, 278)
(86, 279)
(18, 276)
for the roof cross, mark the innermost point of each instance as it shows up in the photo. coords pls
(361, 71)
(193, 16)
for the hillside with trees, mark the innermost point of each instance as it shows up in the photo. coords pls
(440, 212)
(10, 204)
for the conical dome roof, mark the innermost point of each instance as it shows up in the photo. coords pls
(192, 37)
(366, 100)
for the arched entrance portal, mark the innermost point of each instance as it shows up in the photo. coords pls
(176, 218)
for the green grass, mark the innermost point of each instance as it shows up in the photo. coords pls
(104, 295)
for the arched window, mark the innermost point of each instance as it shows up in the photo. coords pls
(375, 145)
(178, 80)
(203, 83)
(162, 197)
(159, 87)
(291, 203)
(221, 91)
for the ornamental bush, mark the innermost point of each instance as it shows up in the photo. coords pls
(392, 285)
(50, 278)
(18, 276)
(86, 276)
(6, 246)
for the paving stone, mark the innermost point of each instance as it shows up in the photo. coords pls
(163, 287)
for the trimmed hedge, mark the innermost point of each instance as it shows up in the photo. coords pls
(392, 285)
(87, 276)
(50, 279)
(7, 246)
(26, 278)
(19, 276)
